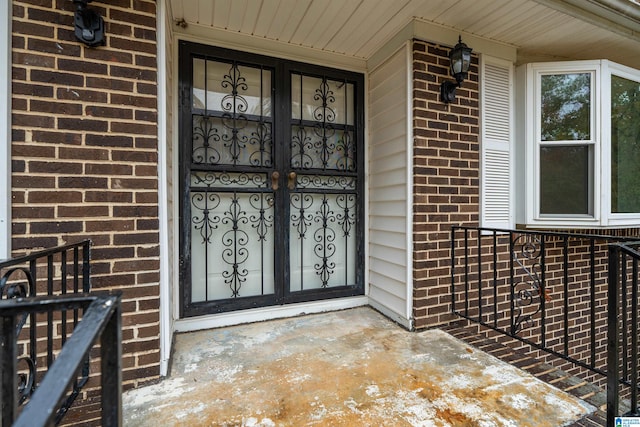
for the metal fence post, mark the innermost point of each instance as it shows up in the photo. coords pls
(111, 376)
(613, 362)
(8, 370)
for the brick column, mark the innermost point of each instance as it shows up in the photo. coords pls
(85, 154)
(445, 175)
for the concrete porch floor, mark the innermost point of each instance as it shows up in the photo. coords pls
(346, 368)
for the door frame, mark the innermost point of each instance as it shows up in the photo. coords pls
(282, 70)
(6, 14)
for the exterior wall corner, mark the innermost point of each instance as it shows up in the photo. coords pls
(445, 173)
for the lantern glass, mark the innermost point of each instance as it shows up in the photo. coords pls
(456, 62)
(460, 59)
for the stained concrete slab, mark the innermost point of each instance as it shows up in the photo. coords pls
(346, 368)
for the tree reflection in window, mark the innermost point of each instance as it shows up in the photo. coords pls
(565, 107)
(625, 145)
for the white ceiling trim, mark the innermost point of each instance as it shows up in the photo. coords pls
(619, 16)
(428, 31)
(361, 33)
(260, 45)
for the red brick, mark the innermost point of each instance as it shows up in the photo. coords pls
(32, 121)
(47, 197)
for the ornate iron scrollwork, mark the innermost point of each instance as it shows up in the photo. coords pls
(230, 225)
(17, 289)
(527, 251)
(26, 379)
(326, 181)
(203, 221)
(346, 146)
(235, 241)
(226, 179)
(301, 219)
(235, 82)
(205, 152)
(334, 216)
(261, 137)
(240, 188)
(347, 217)
(261, 221)
(324, 115)
(226, 135)
(324, 237)
(301, 145)
(322, 147)
(21, 288)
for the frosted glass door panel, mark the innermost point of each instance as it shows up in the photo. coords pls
(214, 84)
(231, 245)
(322, 240)
(319, 100)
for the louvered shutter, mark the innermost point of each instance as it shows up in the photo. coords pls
(496, 185)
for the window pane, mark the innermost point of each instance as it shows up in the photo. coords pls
(565, 180)
(231, 88)
(321, 100)
(565, 107)
(625, 145)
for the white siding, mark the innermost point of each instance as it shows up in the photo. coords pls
(5, 130)
(389, 200)
(167, 105)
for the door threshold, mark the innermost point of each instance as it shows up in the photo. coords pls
(267, 313)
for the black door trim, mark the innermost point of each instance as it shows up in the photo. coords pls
(281, 113)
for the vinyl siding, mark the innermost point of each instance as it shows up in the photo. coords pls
(388, 186)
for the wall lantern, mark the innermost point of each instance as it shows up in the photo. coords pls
(89, 25)
(460, 59)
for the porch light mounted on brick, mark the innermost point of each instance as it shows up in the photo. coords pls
(89, 25)
(459, 60)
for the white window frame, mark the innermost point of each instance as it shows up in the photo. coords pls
(5, 130)
(530, 112)
(614, 219)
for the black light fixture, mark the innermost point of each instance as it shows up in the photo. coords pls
(89, 25)
(460, 59)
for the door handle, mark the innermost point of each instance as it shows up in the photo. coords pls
(275, 176)
(292, 180)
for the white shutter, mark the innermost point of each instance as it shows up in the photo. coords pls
(496, 145)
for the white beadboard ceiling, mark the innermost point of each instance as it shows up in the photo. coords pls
(539, 29)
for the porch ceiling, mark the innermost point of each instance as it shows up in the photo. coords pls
(539, 29)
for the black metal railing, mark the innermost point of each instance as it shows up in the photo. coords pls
(622, 358)
(56, 271)
(549, 290)
(41, 334)
(101, 321)
(543, 288)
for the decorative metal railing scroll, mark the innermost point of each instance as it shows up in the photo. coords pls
(58, 271)
(528, 290)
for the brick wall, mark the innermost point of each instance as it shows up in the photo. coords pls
(446, 193)
(84, 154)
(445, 174)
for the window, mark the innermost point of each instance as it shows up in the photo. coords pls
(578, 144)
(565, 144)
(625, 145)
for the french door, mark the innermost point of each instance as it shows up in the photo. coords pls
(271, 181)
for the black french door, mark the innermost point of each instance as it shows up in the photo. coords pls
(271, 181)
